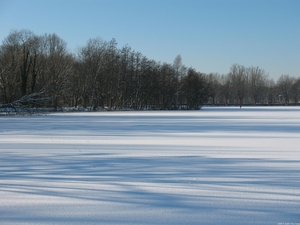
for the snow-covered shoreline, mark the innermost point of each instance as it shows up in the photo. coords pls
(219, 165)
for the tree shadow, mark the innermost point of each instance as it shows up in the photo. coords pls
(185, 184)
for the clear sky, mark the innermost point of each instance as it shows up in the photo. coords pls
(210, 35)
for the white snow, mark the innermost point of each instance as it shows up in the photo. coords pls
(221, 165)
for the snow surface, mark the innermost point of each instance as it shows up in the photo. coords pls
(221, 165)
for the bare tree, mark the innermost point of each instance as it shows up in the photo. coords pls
(257, 84)
(295, 90)
(225, 88)
(284, 84)
(271, 91)
(26, 105)
(194, 88)
(58, 67)
(21, 45)
(103, 75)
(180, 71)
(240, 81)
(213, 80)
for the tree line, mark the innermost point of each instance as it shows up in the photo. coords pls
(252, 86)
(102, 75)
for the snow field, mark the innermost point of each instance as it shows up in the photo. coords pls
(221, 165)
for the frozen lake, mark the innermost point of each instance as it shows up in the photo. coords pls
(214, 166)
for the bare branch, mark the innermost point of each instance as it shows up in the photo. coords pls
(31, 104)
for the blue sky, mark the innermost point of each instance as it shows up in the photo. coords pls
(210, 35)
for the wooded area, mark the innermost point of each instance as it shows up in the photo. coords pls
(102, 76)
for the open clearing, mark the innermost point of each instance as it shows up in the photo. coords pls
(221, 165)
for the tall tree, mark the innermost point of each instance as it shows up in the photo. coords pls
(257, 84)
(180, 71)
(240, 81)
(93, 70)
(271, 91)
(194, 88)
(58, 67)
(20, 49)
(225, 88)
(295, 90)
(284, 84)
(213, 80)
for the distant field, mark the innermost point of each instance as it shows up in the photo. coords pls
(219, 165)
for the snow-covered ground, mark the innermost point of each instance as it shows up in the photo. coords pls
(214, 166)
